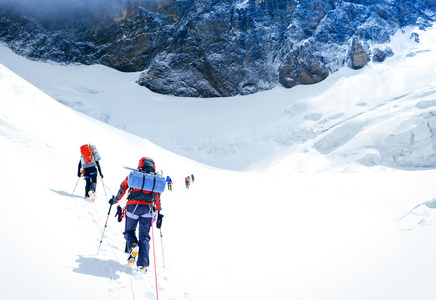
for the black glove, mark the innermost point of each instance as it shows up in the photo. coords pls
(78, 174)
(159, 220)
(101, 175)
(119, 213)
(112, 200)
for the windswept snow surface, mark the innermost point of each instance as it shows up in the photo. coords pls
(315, 223)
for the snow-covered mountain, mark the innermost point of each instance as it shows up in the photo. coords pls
(221, 48)
(380, 115)
(314, 222)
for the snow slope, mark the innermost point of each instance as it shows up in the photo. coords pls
(309, 226)
(352, 116)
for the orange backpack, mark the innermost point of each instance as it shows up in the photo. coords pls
(87, 154)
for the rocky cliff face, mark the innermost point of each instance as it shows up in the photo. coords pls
(204, 48)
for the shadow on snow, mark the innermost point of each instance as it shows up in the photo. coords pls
(101, 268)
(63, 193)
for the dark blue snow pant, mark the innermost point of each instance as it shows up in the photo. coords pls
(139, 215)
(90, 175)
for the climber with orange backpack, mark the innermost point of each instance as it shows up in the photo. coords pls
(88, 166)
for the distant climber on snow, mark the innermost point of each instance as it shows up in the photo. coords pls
(169, 182)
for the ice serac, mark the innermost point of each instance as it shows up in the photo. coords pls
(201, 48)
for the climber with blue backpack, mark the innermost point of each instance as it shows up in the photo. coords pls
(169, 183)
(144, 187)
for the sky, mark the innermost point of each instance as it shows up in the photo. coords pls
(316, 220)
(69, 3)
(57, 8)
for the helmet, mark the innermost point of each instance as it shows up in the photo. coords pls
(146, 164)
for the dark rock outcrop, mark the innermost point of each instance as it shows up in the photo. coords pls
(217, 48)
(380, 55)
(358, 56)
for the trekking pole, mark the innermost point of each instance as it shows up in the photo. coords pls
(105, 225)
(104, 187)
(75, 186)
(161, 242)
(154, 255)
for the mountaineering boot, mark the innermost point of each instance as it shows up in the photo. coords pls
(142, 269)
(133, 252)
(91, 195)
